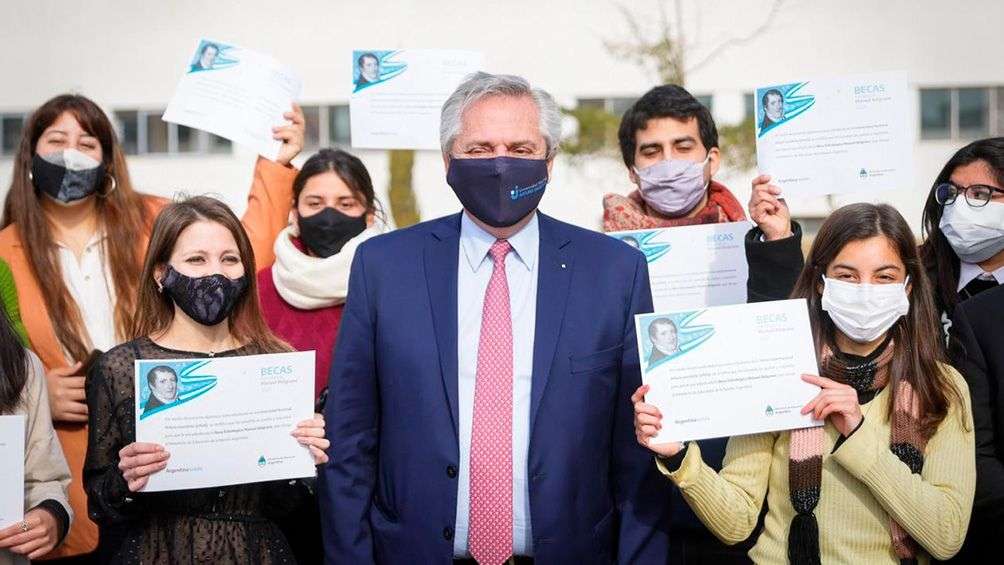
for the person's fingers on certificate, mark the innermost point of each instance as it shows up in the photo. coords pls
(319, 456)
(41, 534)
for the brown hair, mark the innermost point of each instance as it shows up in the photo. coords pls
(155, 310)
(121, 213)
(917, 336)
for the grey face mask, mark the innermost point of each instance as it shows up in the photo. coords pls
(67, 175)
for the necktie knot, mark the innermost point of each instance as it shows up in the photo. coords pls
(499, 250)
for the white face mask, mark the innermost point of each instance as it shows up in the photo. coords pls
(864, 312)
(976, 234)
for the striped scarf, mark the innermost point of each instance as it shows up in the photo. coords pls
(805, 464)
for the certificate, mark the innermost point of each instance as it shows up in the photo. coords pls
(235, 93)
(728, 370)
(397, 95)
(693, 266)
(12, 470)
(226, 420)
(832, 136)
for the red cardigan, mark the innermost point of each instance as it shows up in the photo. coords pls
(303, 329)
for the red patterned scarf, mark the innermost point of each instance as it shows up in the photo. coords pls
(632, 213)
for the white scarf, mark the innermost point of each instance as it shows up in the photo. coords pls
(309, 283)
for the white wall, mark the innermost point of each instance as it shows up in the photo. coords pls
(128, 55)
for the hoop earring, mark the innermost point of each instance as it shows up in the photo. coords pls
(115, 185)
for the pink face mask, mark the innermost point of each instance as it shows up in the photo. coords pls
(674, 186)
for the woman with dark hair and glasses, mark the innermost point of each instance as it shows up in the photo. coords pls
(964, 224)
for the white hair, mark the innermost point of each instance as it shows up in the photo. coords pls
(482, 85)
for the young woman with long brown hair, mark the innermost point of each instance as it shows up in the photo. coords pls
(74, 234)
(891, 474)
(197, 298)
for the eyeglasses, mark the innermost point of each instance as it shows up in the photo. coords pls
(977, 195)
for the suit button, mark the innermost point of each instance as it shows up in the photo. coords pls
(451, 471)
(448, 533)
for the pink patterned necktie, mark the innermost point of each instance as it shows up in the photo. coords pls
(490, 537)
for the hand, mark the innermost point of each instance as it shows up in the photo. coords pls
(41, 537)
(648, 421)
(292, 136)
(311, 433)
(835, 401)
(138, 461)
(66, 394)
(768, 210)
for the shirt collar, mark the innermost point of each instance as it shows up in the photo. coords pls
(968, 272)
(96, 238)
(476, 243)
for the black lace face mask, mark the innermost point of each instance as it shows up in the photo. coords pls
(207, 300)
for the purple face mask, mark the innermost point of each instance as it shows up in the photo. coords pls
(499, 191)
(674, 186)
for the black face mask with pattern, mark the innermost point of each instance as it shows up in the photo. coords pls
(208, 300)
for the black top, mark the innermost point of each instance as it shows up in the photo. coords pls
(220, 525)
(774, 266)
(977, 351)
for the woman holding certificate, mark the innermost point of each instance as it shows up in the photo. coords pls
(890, 476)
(197, 298)
(47, 510)
(74, 232)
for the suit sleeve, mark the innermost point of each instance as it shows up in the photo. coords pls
(968, 358)
(642, 495)
(774, 266)
(347, 481)
(269, 202)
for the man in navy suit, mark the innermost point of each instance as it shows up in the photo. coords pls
(479, 406)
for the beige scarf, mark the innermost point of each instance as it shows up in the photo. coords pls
(309, 283)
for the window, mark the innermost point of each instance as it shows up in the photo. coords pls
(143, 132)
(961, 113)
(707, 100)
(749, 111)
(327, 126)
(339, 130)
(312, 137)
(616, 106)
(974, 119)
(10, 132)
(935, 113)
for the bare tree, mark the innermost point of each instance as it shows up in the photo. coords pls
(666, 52)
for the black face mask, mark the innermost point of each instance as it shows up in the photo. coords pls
(67, 175)
(207, 300)
(326, 232)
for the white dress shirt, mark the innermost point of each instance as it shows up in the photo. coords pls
(474, 271)
(90, 283)
(968, 272)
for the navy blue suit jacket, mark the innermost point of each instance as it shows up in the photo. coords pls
(389, 492)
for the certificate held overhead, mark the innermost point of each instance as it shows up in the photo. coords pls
(832, 136)
(234, 93)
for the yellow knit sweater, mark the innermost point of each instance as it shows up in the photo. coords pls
(863, 485)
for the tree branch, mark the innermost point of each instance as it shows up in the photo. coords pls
(737, 41)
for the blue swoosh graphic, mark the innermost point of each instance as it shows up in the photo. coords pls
(795, 104)
(192, 385)
(688, 336)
